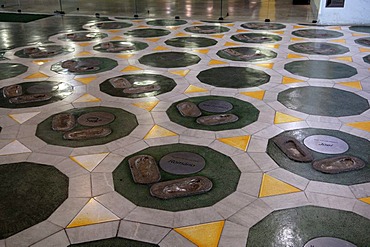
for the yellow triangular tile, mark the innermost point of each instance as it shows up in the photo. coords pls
(182, 35)
(146, 105)
(86, 98)
(202, 51)
(117, 38)
(40, 62)
(158, 131)
(358, 34)
(230, 25)
(131, 68)
(172, 27)
(153, 39)
(360, 125)
(204, 235)
(294, 56)
(297, 39)
(255, 94)
(241, 31)
(271, 186)
(15, 147)
(86, 80)
(240, 142)
(195, 89)
(285, 118)
(92, 213)
(364, 49)
(272, 46)
(37, 75)
(365, 200)
(137, 21)
(288, 80)
(23, 117)
(217, 36)
(231, 44)
(265, 65)
(347, 59)
(343, 41)
(160, 48)
(84, 53)
(296, 27)
(197, 23)
(180, 72)
(353, 84)
(335, 28)
(84, 44)
(90, 161)
(279, 32)
(124, 56)
(216, 62)
(142, 26)
(114, 31)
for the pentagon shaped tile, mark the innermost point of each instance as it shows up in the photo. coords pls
(147, 33)
(317, 33)
(191, 42)
(121, 46)
(256, 38)
(207, 29)
(263, 26)
(82, 36)
(9, 70)
(363, 41)
(106, 25)
(83, 66)
(318, 48)
(247, 54)
(43, 51)
(169, 59)
(165, 22)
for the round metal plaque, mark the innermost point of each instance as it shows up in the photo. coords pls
(326, 144)
(217, 106)
(328, 242)
(42, 88)
(93, 119)
(182, 163)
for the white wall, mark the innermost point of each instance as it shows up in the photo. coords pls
(354, 12)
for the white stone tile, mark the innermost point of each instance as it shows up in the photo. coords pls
(233, 235)
(362, 209)
(67, 211)
(92, 232)
(250, 183)
(80, 186)
(330, 189)
(116, 203)
(269, 132)
(71, 169)
(233, 203)
(245, 163)
(196, 217)
(360, 190)
(290, 178)
(101, 183)
(58, 239)
(257, 144)
(142, 232)
(290, 200)
(151, 216)
(329, 201)
(109, 164)
(264, 161)
(175, 239)
(47, 159)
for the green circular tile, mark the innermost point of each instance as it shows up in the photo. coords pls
(121, 46)
(220, 169)
(165, 84)
(9, 70)
(317, 33)
(323, 101)
(83, 36)
(363, 41)
(361, 29)
(233, 77)
(207, 29)
(320, 69)
(191, 42)
(164, 22)
(29, 193)
(245, 111)
(124, 123)
(147, 33)
(296, 226)
(358, 147)
(44, 51)
(99, 64)
(114, 242)
(169, 59)
(247, 54)
(257, 38)
(318, 48)
(367, 59)
(60, 90)
(263, 26)
(110, 25)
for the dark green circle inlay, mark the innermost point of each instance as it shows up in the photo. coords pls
(169, 59)
(191, 42)
(317, 33)
(318, 48)
(166, 22)
(82, 36)
(361, 29)
(320, 69)
(9, 70)
(233, 77)
(124, 123)
(110, 25)
(166, 84)
(263, 26)
(296, 226)
(44, 51)
(29, 193)
(367, 59)
(105, 64)
(207, 29)
(358, 147)
(245, 111)
(323, 101)
(64, 90)
(257, 38)
(114, 46)
(147, 32)
(114, 242)
(247, 54)
(219, 168)
(363, 41)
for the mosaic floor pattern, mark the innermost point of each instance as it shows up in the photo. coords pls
(184, 133)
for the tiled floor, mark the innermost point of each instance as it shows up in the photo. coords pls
(283, 85)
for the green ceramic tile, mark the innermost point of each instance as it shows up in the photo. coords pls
(207, 29)
(257, 38)
(44, 51)
(102, 64)
(106, 25)
(318, 48)
(191, 42)
(164, 22)
(263, 26)
(361, 29)
(363, 41)
(147, 33)
(114, 242)
(247, 54)
(121, 46)
(169, 59)
(317, 33)
(9, 70)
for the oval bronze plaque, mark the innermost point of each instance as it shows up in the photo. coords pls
(93, 119)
